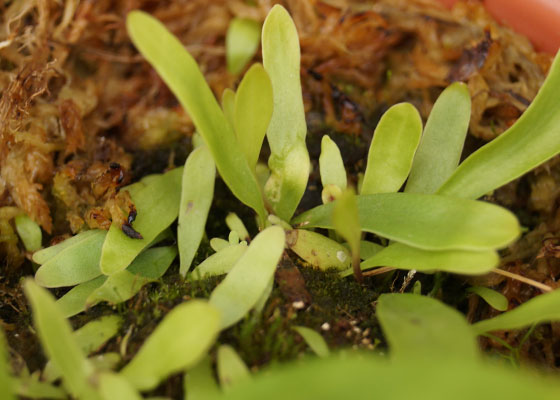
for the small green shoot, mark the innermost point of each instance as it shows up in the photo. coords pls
(318, 250)
(199, 382)
(331, 166)
(235, 224)
(230, 367)
(346, 222)
(313, 339)
(221, 262)
(29, 232)
(495, 299)
(242, 42)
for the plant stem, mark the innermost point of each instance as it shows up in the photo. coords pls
(520, 278)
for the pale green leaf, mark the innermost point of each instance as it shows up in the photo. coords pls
(369, 249)
(392, 149)
(253, 110)
(113, 386)
(196, 198)
(228, 104)
(430, 222)
(331, 166)
(314, 340)
(243, 286)
(29, 232)
(31, 387)
(221, 262)
(401, 256)
(179, 342)
(318, 250)
(157, 205)
(58, 342)
(422, 327)
(181, 73)
(289, 161)
(242, 42)
(346, 221)
(218, 244)
(235, 224)
(6, 381)
(199, 382)
(533, 139)
(230, 367)
(495, 299)
(442, 141)
(73, 261)
(74, 301)
(543, 308)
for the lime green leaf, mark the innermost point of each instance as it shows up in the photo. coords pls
(318, 250)
(331, 166)
(6, 381)
(442, 142)
(428, 222)
(423, 327)
(228, 104)
(181, 73)
(543, 308)
(123, 285)
(179, 342)
(369, 249)
(199, 382)
(347, 223)
(495, 299)
(157, 205)
(30, 387)
(242, 288)
(113, 386)
(253, 110)
(392, 149)
(289, 161)
(532, 140)
(221, 262)
(196, 198)
(235, 224)
(314, 340)
(73, 261)
(58, 342)
(231, 368)
(401, 256)
(29, 232)
(242, 43)
(74, 301)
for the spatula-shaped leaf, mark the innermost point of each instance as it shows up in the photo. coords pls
(6, 381)
(495, 299)
(74, 301)
(179, 70)
(242, 288)
(289, 161)
(252, 113)
(73, 261)
(157, 205)
(543, 308)
(532, 140)
(179, 342)
(196, 197)
(221, 262)
(422, 327)
(331, 166)
(442, 141)
(392, 149)
(59, 343)
(318, 250)
(314, 340)
(428, 222)
(401, 256)
(123, 285)
(242, 42)
(231, 368)
(199, 382)
(29, 232)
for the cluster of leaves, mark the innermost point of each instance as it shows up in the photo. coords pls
(435, 224)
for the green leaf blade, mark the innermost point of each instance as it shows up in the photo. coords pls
(230, 367)
(495, 299)
(29, 232)
(242, 42)
(331, 166)
(314, 340)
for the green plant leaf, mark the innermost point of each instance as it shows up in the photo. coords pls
(59, 343)
(495, 299)
(113, 386)
(179, 342)
(313, 339)
(157, 205)
(543, 308)
(242, 43)
(346, 222)
(235, 224)
(401, 256)
(289, 161)
(369, 249)
(221, 262)
(196, 198)
(253, 110)
(6, 381)
(230, 367)
(199, 382)
(242, 288)
(441, 145)
(423, 327)
(429, 222)
(181, 73)
(30, 387)
(228, 104)
(532, 140)
(74, 301)
(331, 166)
(71, 262)
(29, 232)
(318, 250)
(392, 149)
(123, 285)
